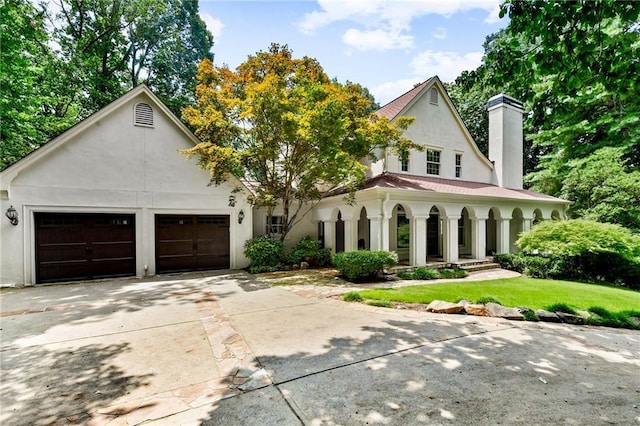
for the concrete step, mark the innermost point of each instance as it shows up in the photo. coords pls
(480, 267)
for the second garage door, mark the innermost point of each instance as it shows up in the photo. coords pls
(190, 243)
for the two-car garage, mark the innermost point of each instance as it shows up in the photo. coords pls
(80, 246)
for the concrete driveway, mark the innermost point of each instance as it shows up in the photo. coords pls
(226, 349)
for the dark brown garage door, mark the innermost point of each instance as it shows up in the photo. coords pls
(189, 243)
(76, 246)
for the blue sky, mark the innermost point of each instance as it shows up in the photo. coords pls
(385, 45)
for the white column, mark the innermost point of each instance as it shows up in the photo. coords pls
(384, 233)
(450, 239)
(418, 241)
(526, 224)
(502, 235)
(350, 234)
(375, 236)
(479, 237)
(330, 235)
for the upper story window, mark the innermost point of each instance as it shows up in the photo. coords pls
(434, 96)
(404, 161)
(143, 115)
(276, 225)
(458, 165)
(433, 162)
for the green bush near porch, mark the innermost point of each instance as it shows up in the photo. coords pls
(363, 264)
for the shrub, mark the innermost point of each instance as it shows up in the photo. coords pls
(323, 258)
(265, 254)
(362, 264)
(404, 275)
(580, 250)
(306, 248)
(510, 261)
(453, 273)
(488, 299)
(425, 274)
(352, 296)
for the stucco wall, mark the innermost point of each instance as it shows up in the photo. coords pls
(114, 166)
(436, 127)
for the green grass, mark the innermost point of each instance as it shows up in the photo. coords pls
(522, 291)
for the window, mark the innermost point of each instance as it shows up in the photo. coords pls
(458, 165)
(143, 115)
(433, 162)
(402, 224)
(404, 161)
(276, 225)
(434, 96)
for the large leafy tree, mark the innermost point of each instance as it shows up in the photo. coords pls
(110, 46)
(282, 123)
(28, 95)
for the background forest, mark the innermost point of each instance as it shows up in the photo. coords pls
(575, 67)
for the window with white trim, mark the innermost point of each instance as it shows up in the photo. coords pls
(458, 165)
(433, 162)
(276, 225)
(404, 161)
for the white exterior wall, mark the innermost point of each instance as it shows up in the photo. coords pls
(505, 143)
(115, 167)
(437, 127)
(307, 226)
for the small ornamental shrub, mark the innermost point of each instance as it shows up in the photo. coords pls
(404, 275)
(510, 261)
(380, 303)
(306, 249)
(425, 274)
(323, 258)
(266, 254)
(363, 264)
(561, 307)
(488, 299)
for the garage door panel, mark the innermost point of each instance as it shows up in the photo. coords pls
(186, 243)
(72, 246)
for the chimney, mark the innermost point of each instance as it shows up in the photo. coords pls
(505, 140)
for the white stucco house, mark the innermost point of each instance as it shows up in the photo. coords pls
(112, 196)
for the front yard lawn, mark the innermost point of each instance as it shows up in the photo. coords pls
(517, 292)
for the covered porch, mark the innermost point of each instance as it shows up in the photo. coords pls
(429, 227)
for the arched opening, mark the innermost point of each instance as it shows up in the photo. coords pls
(516, 228)
(364, 230)
(400, 233)
(464, 234)
(339, 233)
(555, 215)
(537, 216)
(492, 242)
(434, 240)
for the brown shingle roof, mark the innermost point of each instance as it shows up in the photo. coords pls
(452, 186)
(393, 108)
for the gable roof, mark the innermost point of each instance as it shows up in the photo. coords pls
(453, 186)
(7, 175)
(401, 105)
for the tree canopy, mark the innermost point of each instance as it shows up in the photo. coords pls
(61, 65)
(282, 123)
(575, 67)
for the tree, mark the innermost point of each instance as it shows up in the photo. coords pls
(110, 46)
(282, 123)
(583, 60)
(26, 115)
(603, 189)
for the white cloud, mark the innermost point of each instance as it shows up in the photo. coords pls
(494, 15)
(446, 65)
(386, 92)
(214, 25)
(440, 33)
(377, 39)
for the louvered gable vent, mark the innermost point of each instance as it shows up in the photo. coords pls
(143, 115)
